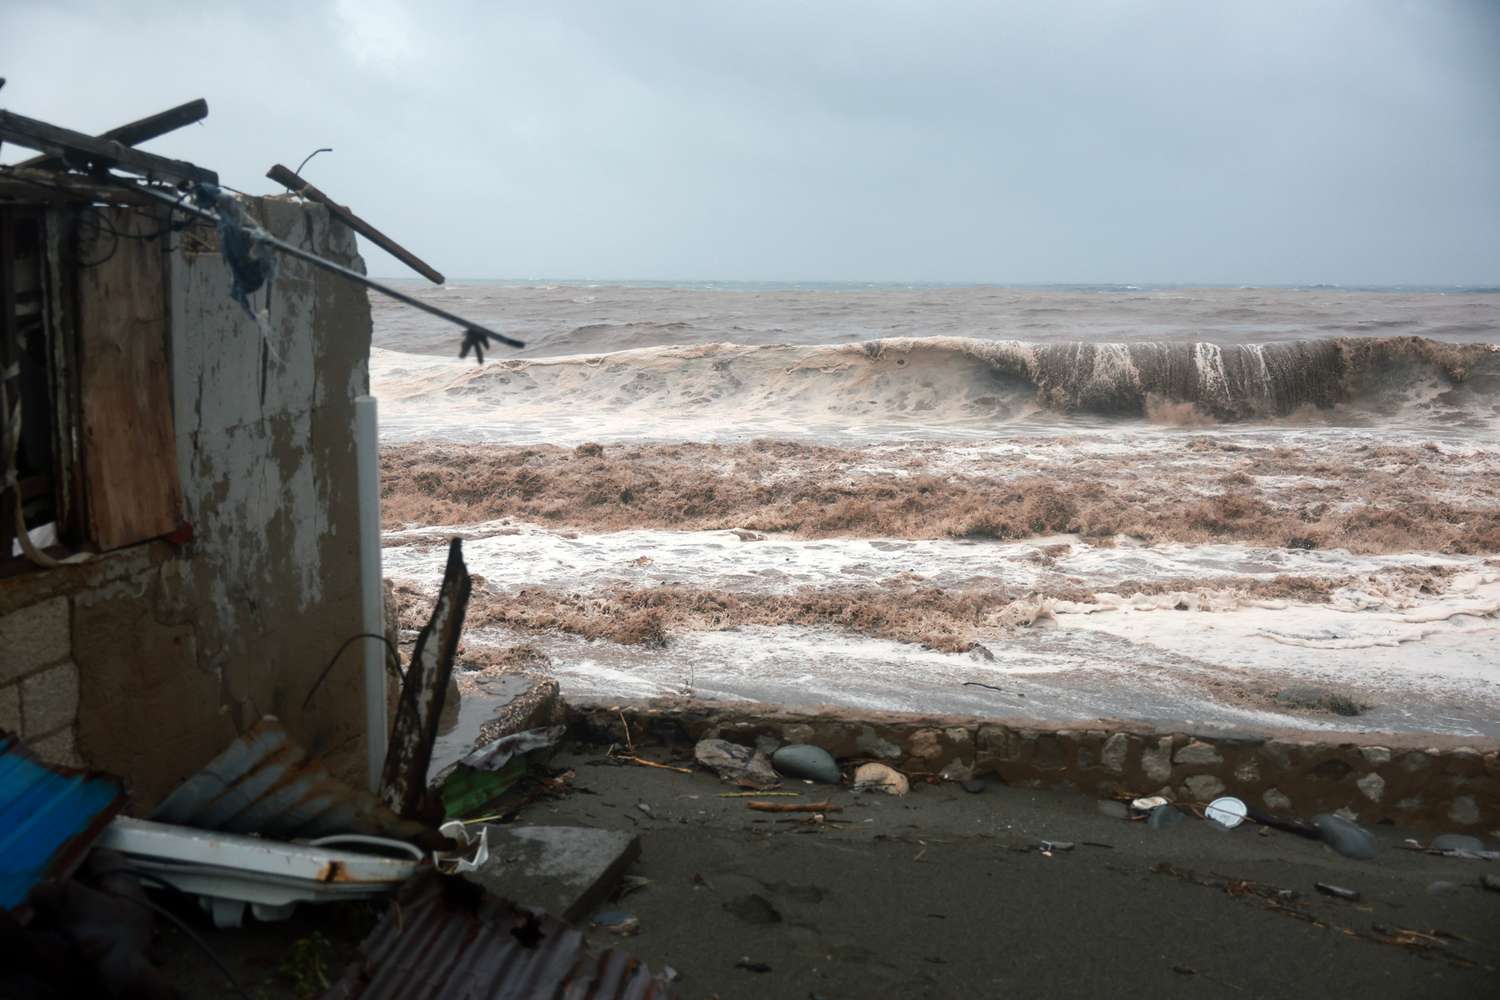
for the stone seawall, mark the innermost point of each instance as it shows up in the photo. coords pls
(1417, 786)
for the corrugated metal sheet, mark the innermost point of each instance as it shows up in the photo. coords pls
(445, 938)
(265, 783)
(48, 818)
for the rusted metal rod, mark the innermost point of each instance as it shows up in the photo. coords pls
(136, 132)
(294, 183)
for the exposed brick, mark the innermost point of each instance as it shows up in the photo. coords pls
(10, 708)
(49, 699)
(33, 637)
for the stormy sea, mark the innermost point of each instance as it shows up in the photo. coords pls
(1275, 509)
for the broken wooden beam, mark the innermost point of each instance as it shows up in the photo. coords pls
(98, 155)
(135, 133)
(403, 781)
(294, 183)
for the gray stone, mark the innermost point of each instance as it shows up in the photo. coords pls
(1116, 752)
(1348, 838)
(973, 785)
(34, 637)
(803, 760)
(957, 770)
(1282, 754)
(1491, 882)
(1410, 804)
(926, 744)
(1198, 753)
(871, 743)
(797, 732)
(1164, 817)
(767, 744)
(1464, 810)
(1248, 773)
(1275, 799)
(1156, 761)
(1456, 842)
(1372, 785)
(1415, 761)
(1204, 787)
(563, 870)
(1375, 755)
(734, 763)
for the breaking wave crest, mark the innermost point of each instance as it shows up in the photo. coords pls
(935, 380)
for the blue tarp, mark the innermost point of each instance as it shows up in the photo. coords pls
(48, 818)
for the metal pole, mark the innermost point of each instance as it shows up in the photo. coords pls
(371, 584)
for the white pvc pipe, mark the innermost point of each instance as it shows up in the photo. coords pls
(372, 589)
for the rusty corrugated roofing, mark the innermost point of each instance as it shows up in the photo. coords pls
(265, 783)
(49, 816)
(445, 938)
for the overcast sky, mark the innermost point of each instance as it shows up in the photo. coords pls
(1347, 141)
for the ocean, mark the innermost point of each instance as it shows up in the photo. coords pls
(1241, 508)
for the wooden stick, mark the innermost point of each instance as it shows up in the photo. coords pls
(651, 763)
(794, 807)
(136, 132)
(294, 183)
(752, 795)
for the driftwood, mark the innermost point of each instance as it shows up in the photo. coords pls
(97, 155)
(294, 183)
(403, 782)
(136, 132)
(794, 807)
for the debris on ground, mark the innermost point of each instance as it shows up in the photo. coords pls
(567, 871)
(746, 964)
(478, 782)
(738, 765)
(794, 807)
(1163, 817)
(1337, 891)
(1345, 836)
(617, 922)
(803, 760)
(880, 778)
(1144, 806)
(1227, 811)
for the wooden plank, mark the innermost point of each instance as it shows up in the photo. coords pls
(295, 184)
(403, 782)
(129, 444)
(136, 132)
(75, 148)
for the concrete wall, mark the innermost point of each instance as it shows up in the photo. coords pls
(146, 661)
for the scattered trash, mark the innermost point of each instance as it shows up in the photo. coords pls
(1048, 846)
(1345, 836)
(229, 872)
(1457, 842)
(1144, 806)
(617, 922)
(464, 860)
(1227, 811)
(49, 817)
(753, 909)
(1113, 809)
(803, 760)
(794, 807)
(480, 780)
(880, 778)
(1164, 816)
(745, 963)
(737, 764)
(1337, 892)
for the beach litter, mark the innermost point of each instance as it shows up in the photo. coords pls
(1227, 811)
(617, 922)
(1337, 891)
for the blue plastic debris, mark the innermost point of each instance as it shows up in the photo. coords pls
(49, 817)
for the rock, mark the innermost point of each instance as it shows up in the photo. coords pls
(1464, 810)
(1415, 761)
(1198, 753)
(973, 786)
(1116, 751)
(1248, 773)
(880, 778)
(767, 745)
(957, 770)
(926, 744)
(1348, 838)
(803, 760)
(1372, 785)
(1157, 761)
(1456, 842)
(563, 870)
(753, 909)
(1275, 799)
(873, 744)
(1163, 817)
(1491, 882)
(1204, 786)
(1375, 755)
(1112, 809)
(1319, 700)
(734, 763)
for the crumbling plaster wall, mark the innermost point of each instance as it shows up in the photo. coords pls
(150, 659)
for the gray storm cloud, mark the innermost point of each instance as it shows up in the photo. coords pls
(1344, 142)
